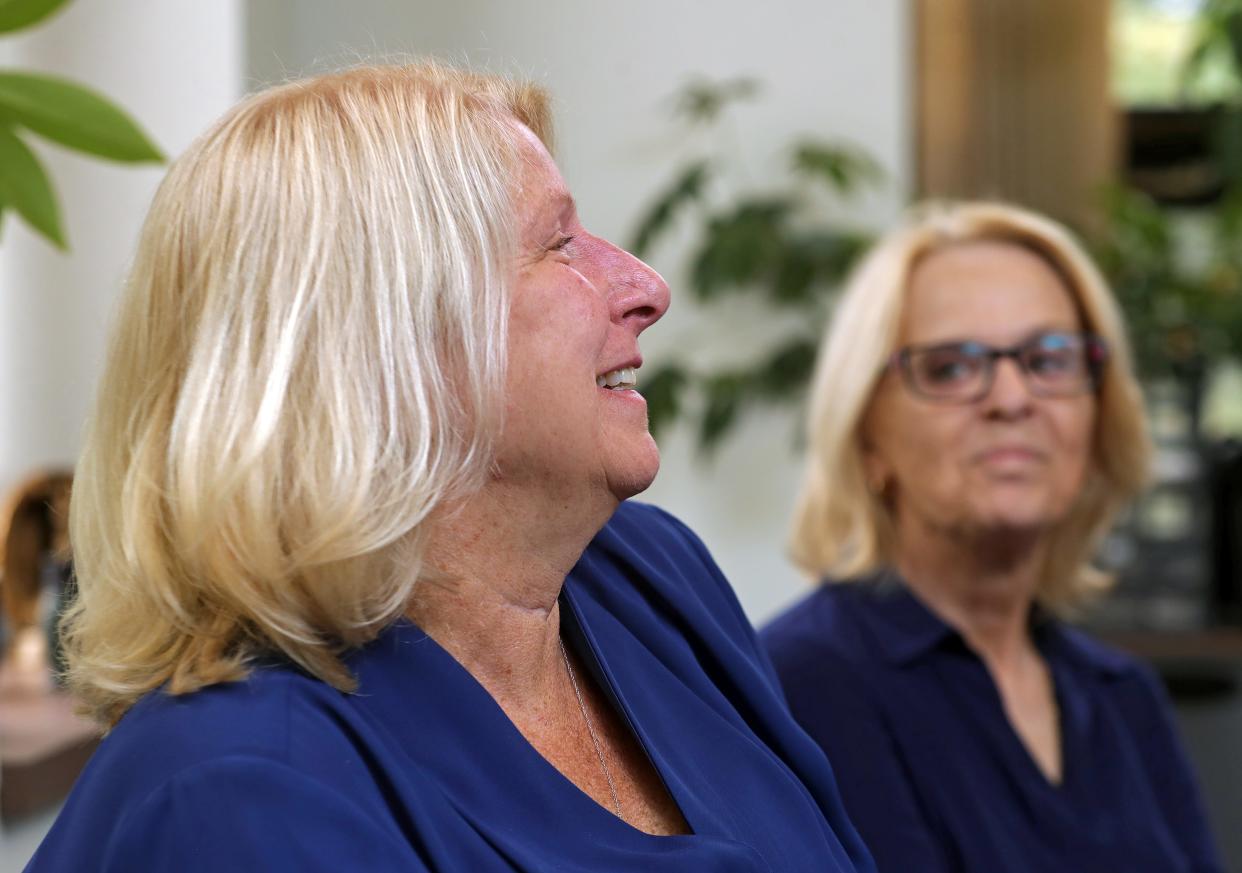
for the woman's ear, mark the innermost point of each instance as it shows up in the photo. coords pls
(876, 470)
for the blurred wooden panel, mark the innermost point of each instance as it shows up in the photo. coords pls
(1012, 101)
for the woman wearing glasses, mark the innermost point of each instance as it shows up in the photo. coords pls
(975, 427)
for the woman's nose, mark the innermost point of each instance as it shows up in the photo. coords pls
(640, 294)
(1010, 392)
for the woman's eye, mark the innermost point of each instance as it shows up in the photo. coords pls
(1054, 355)
(1052, 362)
(943, 367)
(561, 243)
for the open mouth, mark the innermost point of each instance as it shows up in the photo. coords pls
(624, 379)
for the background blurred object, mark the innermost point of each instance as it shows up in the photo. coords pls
(1013, 102)
(1171, 244)
(43, 744)
(34, 566)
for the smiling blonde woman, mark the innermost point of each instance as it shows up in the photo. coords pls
(359, 586)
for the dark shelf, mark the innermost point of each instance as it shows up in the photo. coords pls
(1196, 666)
(1221, 646)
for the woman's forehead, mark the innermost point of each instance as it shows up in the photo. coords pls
(541, 197)
(992, 290)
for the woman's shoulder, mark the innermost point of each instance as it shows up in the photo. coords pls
(1084, 650)
(232, 776)
(826, 626)
(267, 716)
(278, 720)
(279, 731)
(1115, 672)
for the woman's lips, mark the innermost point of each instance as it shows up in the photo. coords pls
(1010, 456)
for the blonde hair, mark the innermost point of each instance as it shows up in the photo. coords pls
(840, 528)
(307, 361)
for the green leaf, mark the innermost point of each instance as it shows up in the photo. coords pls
(702, 102)
(725, 395)
(787, 371)
(741, 247)
(1227, 137)
(1233, 27)
(844, 168)
(795, 277)
(687, 187)
(662, 391)
(73, 116)
(25, 185)
(16, 14)
(813, 261)
(1193, 63)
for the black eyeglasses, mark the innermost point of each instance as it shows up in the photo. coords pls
(1053, 364)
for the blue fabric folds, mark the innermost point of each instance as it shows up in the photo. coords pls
(420, 770)
(937, 780)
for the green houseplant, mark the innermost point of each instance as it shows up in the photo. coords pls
(34, 104)
(776, 246)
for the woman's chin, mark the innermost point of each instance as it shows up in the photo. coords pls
(634, 474)
(1018, 520)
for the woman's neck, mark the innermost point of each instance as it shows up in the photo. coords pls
(982, 585)
(496, 566)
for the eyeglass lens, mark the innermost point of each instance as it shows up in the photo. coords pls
(1053, 363)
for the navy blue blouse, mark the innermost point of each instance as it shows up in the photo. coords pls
(934, 776)
(420, 770)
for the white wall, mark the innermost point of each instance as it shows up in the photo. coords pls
(835, 69)
(174, 65)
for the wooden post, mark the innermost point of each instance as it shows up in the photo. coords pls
(1013, 102)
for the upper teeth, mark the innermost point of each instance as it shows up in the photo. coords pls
(623, 378)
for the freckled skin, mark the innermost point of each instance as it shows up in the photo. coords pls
(1011, 462)
(579, 304)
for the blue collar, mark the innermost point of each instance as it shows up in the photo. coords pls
(905, 630)
(902, 627)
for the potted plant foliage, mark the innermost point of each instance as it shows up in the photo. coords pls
(65, 113)
(777, 246)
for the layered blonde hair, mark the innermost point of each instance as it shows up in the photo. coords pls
(307, 361)
(841, 529)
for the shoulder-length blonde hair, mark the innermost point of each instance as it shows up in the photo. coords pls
(840, 528)
(307, 360)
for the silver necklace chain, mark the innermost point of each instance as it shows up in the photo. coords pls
(599, 749)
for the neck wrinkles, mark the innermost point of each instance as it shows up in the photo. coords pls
(497, 566)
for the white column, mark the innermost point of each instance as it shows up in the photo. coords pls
(174, 65)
